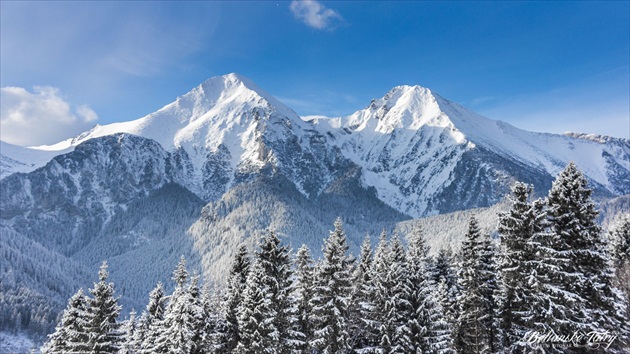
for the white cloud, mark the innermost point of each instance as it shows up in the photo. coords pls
(40, 117)
(314, 14)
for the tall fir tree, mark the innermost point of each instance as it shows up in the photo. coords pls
(518, 267)
(71, 335)
(443, 274)
(198, 316)
(362, 324)
(332, 295)
(490, 293)
(151, 321)
(394, 330)
(303, 294)
(129, 329)
(429, 332)
(477, 321)
(103, 310)
(228, 333)
(620, 242)
(276, 261)
(587, 273)
(258, 333)
(177, 330)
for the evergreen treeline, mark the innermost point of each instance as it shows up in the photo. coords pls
(550, 285)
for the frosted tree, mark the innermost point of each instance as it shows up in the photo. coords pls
(443, 272)
(276, 262)
(266, 316)
(258, 333)
(228, 332)
(587, 273)
(210, 305)
(71, 335)
(103, 309)
(303, 294)
(129, 329)
(429, 332)
(521, 268)
(150, 324)
(392, 287)
(177, 330)
(477, 331)
(331, 298)
(620, 240)
(490, 293)
(362, 323)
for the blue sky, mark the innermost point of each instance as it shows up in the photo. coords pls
(542, 66)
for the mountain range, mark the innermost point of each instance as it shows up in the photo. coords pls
(227, 160)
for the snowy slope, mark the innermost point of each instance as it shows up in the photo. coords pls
(225, 129)
(418, 149)
(421, 153)
(21, 159)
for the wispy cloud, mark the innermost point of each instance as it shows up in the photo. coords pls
(314, 14)
(41, 117)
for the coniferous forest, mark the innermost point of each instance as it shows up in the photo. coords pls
(553, 282)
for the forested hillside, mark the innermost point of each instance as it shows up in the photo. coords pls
(550, 283)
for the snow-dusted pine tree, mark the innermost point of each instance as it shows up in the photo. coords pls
(71, 335)
(381, 293)
(490, 293)
(588, 272)
(198, 317)
(302, 294)
(150, 324)
(177, 330)
(129, 328)
(258, 333)
(228, 332)
(211, 305)
(363, 327)
(429, 332)
(393, 288)
(103, 332)
(620, 240)
(331, 298)
(477, 321)
(443, 272)
(522, 299)
(276, 261)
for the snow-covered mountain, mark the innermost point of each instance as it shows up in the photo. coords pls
(227, 160)
(421, 153)
(226, 129)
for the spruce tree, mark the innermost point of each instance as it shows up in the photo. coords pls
(266, 318)
(71, 334)
(177, 330)
(477, 321)
(258, 333)
(443, 274)
(522, 267)
(395, 332)
(587, 273)
(303, 294)
(276, 261)
(333, 289)
(228, 332)
(150, 324)
(490, 293)
(129, 329)
(103, 332)
(620, 240)
(362, 324)
(429, 332)
(210, 305)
